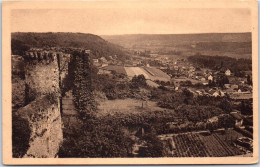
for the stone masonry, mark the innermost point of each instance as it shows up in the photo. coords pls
(42, 78)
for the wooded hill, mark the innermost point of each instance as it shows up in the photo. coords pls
(99, 47)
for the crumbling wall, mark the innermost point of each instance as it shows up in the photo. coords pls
(43, 116)
(42, 112)
(41, 74)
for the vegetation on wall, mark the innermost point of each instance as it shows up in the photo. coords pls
(82, 85)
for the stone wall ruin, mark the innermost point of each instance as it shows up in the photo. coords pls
(42, 111)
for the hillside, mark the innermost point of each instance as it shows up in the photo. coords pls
(99, 47)
(207, 37)
(224, 44)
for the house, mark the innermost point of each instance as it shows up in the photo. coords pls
(103, 60)
(199, 92)
(161, 68)
(205, 83)
(234, 87)
(202, 79)
(227, 86)
(95, 60)
(215, 94)
(175, 68)
(213, 119)
(104, 64)
(238, 118)
(192, 69)
(222, 93)
(227, 72)
(87, 51)
(210, 78)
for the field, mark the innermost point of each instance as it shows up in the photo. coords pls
(126, 106)
(132, 71)
(148, 72)
(198, 145)
(117, 69)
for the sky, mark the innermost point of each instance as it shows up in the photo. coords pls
(132, 20)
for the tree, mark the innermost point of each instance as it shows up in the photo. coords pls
(139, 81)
(249, 80)
(18, 47)
(225, 105)
(222, 80)
(110, 91)
(246, 107)
(154, 146)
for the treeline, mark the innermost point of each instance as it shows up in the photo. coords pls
(237, 66)
(236, 47)
(21, 42)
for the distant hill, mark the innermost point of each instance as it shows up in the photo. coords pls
(227, 44)
(99, 47)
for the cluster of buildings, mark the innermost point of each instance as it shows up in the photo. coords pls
(111, 60)
(178, 71)
(236, 87)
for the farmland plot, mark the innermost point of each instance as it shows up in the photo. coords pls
(197, 145)
(132, 71)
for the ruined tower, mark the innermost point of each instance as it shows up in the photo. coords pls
(42, 112)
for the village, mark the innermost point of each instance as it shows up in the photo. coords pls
(175, 73)
(179, 73)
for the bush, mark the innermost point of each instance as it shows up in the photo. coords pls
(139, 81)
(98, 138)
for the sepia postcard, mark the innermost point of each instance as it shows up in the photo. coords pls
(130, 82)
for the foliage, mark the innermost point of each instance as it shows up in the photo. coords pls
(186, 83)
(138, 81)
(249, 80)
(18, 92)
(114, 88)
(154, 147)
(246, 107)
(20, 136)
(198, 113)
(98, 46)
(19, 47)
(222, 80)
(217, 62)
(82, 85)
(98, 138)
